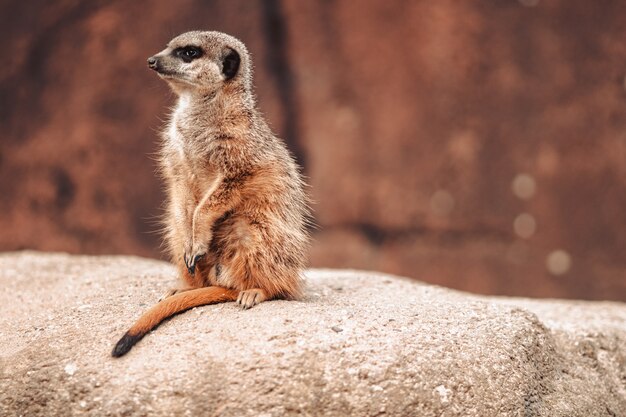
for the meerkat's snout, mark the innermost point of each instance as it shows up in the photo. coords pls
(163, 66)
(153, 63)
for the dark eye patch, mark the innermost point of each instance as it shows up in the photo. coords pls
(230, 64)
(188, 53)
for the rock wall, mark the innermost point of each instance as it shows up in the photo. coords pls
(482, 140)
(358, 344)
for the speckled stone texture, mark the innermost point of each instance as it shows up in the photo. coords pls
(359, 344)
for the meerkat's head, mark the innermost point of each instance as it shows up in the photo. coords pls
(203, 62)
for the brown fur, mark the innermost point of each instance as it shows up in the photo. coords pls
(237, 211)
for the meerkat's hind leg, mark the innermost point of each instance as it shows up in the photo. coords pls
(249, 298)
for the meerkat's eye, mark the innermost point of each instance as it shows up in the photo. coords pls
(188, 53)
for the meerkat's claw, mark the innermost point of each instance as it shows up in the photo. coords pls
(192, 261)
(191, 268)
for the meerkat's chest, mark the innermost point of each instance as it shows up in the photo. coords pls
(188, 164)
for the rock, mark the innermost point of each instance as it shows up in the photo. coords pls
(404, 348)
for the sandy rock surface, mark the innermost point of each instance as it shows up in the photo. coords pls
(361, 344)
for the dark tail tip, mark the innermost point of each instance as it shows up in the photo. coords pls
(125, 344)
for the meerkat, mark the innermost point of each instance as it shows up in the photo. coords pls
(237, 211)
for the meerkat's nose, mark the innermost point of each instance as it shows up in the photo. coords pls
(152, 62)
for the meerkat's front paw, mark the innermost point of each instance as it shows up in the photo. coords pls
(193, 256)
(250, 298)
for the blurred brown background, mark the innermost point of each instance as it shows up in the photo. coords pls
(479, 145)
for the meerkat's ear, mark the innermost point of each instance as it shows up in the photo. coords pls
(230, 64)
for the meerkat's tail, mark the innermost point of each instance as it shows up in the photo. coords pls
(168, 307)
